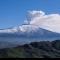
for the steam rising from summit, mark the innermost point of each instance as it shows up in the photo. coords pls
(40, 19)
(36, 20)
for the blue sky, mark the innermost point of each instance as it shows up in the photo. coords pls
(13, 12)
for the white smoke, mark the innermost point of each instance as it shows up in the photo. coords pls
(36, 20)
(40, 19)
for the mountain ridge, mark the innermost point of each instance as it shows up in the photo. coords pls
(40, 32)
(21, 28)
(42, 49)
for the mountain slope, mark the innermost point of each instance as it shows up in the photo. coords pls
(39, 33)
(42, 49)
(20, 38)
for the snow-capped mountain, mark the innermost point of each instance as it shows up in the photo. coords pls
(29, 32)
(37, 25)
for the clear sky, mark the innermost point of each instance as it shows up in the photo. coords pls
(13, 12)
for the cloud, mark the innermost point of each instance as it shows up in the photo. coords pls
(40, 19)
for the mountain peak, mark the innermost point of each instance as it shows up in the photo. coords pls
(36, 20)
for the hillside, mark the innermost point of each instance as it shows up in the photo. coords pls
(42, 49)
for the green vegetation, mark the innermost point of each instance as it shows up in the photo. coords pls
(43, 49)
